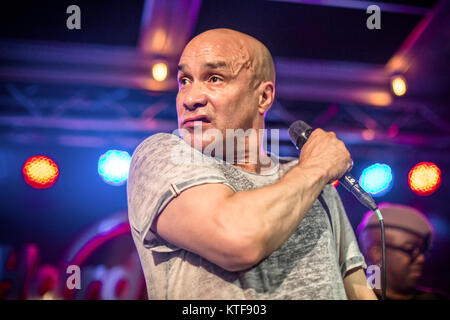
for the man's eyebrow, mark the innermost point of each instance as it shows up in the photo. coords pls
(216, 65)
(210, 65)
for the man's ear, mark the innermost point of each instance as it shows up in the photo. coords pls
(266, 96)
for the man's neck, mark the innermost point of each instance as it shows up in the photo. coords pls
(258, 167)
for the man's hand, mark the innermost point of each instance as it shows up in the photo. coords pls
(326, 153)
(237, 230)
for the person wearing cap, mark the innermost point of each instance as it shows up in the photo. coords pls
(409, 235)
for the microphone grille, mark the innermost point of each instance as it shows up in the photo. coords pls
(297, 129)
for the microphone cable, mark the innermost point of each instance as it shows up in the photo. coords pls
(299, 131)
(383, 254)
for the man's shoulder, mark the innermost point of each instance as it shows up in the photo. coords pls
(154, 152)
(157, 144)
(156, 141)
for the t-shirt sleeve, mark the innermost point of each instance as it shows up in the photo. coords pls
(161, 168)
(347, 246)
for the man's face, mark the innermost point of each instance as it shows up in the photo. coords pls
(403, 270)
(214, 87)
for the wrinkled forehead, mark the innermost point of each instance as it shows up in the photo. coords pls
(224, 51)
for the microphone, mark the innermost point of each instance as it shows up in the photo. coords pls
(299, 132)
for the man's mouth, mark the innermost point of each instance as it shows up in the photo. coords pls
(416, 271)
(193, 121)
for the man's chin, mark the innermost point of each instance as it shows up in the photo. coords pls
(411, 282)
(414, 276)
(204, 144)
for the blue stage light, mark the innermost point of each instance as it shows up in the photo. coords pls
(376, 179)
(113, 167)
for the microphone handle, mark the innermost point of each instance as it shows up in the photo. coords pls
(347, 180)
(350, 183)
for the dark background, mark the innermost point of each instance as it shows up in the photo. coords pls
(293, 32)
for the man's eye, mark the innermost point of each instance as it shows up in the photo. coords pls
(215, 79)
(183, 81)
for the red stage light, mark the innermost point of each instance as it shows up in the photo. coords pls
(40, 172)
(424, 178)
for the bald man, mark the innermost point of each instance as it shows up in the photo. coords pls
(245, 224)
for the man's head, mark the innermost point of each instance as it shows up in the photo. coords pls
(408, 236)
(226, 80)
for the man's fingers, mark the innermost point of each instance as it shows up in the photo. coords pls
(325, 150)
(351, 165)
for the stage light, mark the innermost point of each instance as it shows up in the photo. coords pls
(398, 84)
(368, 134)
(376, 179)
(335, 183)
(159, 71)
(40, 172)
(379, 99)
(393, 130)
(424, 178)
(49, 296)
(113, 167)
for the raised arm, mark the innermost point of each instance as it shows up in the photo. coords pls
(237, 230)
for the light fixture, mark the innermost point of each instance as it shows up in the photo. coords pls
(398, 85)
(160, 71)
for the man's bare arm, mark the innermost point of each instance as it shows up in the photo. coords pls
(355, 284)
(237, 230)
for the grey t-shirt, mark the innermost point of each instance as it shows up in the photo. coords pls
(311, 264)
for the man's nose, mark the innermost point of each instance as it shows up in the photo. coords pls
(195, 97)
(421, 258)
